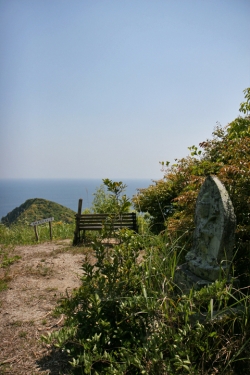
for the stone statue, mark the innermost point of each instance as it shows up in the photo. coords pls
(211, 253)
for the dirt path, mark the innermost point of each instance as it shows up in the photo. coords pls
(44, 274)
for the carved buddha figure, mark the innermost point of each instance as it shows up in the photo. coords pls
(207, 240)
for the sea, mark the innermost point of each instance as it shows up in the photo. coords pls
(14, 192)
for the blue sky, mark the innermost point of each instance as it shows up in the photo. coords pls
(108, 88)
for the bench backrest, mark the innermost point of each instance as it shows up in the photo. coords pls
(99, 221)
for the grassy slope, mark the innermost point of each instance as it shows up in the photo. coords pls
(37, 209)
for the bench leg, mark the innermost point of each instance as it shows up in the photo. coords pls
(76, 239)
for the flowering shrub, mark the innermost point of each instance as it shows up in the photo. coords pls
(171, 201)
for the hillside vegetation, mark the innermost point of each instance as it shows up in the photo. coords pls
(128, 316)
(171, 200)
(37, 209)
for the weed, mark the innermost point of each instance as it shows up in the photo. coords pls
(126, 317)
(44, 270)
(22, 334)
(16, 323)
(3, 285)
(4, 280)
(41, 269)
(5, 368)
(51, 289)
(6, 262)
(6, 258)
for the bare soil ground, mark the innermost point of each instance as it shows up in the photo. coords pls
(36, 282)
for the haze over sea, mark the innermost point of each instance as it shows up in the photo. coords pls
(14, 192)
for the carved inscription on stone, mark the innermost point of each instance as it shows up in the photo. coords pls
(211, 253)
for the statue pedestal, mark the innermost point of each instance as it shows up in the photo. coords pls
(207, 271)
(186, 280)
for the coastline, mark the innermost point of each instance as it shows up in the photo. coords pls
(14, 192)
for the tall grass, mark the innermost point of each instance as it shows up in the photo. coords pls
(24, 234)
(128, 317)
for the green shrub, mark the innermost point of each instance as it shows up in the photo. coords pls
(126, 319)
(109, 199)
(171, 201)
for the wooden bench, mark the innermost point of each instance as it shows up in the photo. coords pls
(97, 222)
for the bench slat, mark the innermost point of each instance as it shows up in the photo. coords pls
(99, 227)
(82, 221)
(105, 217)
(99, 221)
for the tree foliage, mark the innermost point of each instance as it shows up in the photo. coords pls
(245, 106)
(171, 201)
(109, 199)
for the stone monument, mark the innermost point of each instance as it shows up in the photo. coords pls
(212, 251)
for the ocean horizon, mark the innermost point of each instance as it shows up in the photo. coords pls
(14, 192)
